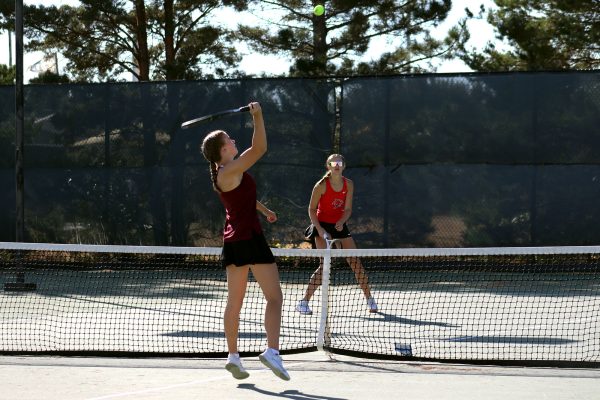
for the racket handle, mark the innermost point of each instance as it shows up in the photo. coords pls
(244, 109)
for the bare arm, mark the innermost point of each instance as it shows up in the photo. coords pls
(231, 174)
(259, 142)
(348, 207)
(317, 192)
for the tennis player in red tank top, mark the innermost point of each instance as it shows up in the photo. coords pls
(330, 207)
(244, 246)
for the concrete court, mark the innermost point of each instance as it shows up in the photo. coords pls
(315, 376)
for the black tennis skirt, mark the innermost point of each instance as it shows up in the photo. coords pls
(312, 233)
(244, 252)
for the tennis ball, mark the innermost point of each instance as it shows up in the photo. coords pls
(319, 10)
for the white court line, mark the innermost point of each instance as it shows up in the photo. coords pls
(192, 383)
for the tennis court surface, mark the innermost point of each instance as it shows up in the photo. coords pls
(314, 376)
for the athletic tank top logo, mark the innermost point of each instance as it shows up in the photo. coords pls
(337, 203)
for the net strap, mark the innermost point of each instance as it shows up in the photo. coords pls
(322, 336)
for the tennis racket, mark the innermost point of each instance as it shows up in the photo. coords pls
(330, 242)
(211, 117)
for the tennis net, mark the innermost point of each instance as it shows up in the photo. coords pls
(520, 306)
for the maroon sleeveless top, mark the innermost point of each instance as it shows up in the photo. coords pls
(241, 219)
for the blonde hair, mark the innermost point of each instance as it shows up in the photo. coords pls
(211, 150)
(328, 173)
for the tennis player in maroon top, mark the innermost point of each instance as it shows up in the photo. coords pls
(244, 246)
(330, 207)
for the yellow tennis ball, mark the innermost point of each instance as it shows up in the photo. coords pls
(319, 10)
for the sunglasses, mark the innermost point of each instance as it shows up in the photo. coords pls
(334, 164)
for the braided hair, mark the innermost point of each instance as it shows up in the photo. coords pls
(211, 150)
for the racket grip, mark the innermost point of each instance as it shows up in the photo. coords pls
(244, 109)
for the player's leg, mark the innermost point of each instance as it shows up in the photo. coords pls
(267, 277)
(314, 282)
(237, 280)
(359, 272)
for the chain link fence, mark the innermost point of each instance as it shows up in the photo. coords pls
(437, 160)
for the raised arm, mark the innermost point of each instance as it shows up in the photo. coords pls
(259, 141)
(256, 150)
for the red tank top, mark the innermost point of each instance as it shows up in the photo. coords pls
(332, 204)
(241, 219)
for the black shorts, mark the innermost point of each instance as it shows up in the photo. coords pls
(252, 251)
(312, 233)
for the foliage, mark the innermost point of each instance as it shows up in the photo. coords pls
(50, 77)
(7, 74)
(334, 42)
(102, 39)
(7, 10)
(542, 35)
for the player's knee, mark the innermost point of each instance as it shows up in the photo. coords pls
(274, 298)
(234, 304)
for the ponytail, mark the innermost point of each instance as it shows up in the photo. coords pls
(211, 150)
(327, 175)
(213, 176)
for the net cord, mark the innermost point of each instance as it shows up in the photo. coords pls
(277, 252)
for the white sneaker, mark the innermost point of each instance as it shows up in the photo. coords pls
(234, 365)
(303, 307)
(273, 361)
(372, 305)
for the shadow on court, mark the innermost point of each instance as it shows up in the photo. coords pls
(385, 317)
(287, 394)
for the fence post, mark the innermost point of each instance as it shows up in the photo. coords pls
(19, 284)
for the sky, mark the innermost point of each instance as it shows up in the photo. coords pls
(252, 63)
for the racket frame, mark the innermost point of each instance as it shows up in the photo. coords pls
(211, 117)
